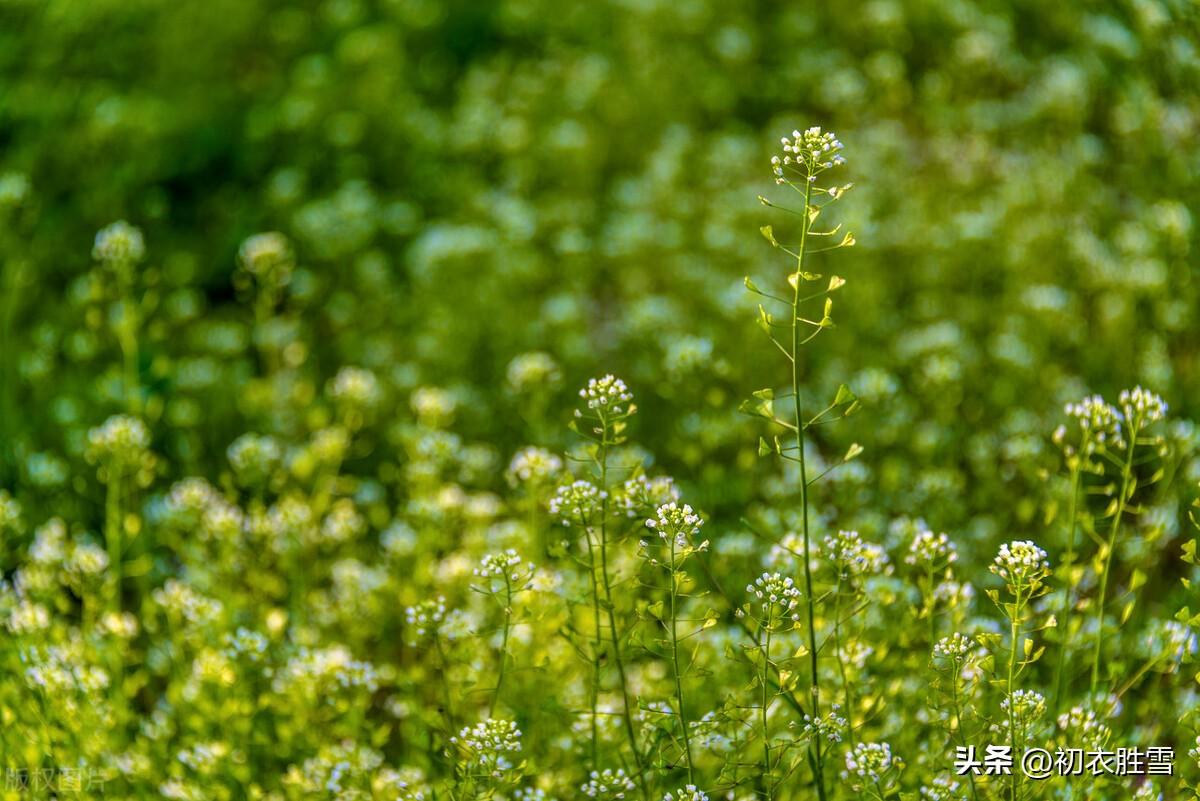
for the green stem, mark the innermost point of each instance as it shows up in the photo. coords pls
(1126, 475)
(112, 535)
(612, 618)
(959, 722)
(683, 721)
(847, 691)
(1068, 606)
(815, 682)
(503, 644)
(931, 606)
(599, 644)
(1014, 635)
(764, 708)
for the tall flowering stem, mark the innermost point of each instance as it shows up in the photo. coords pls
(1137, 409)
(119, 247)
(1098, 424)
(679, 528)
(806, 156)
(503, 576)
(603, 420)
(1024, 568)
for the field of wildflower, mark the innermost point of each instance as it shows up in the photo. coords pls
(535, 401)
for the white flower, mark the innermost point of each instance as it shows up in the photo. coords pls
(869, 761)
(1141, 407)
(488, 744)
(1020, 563)
(1099, 420)
(931, 550)
(534, 465)
(354, 386)
(607, 785)
(577, 503)
(688, 792)
(778, 595)
(119, 243)
(678, 524)
(120, 439)
(957, 647)
(813, 150)
(605, 395)
(854, 557)
(266, 255)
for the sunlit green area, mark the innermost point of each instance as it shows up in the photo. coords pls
(297, 299)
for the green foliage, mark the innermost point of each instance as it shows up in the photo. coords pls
(295, 299)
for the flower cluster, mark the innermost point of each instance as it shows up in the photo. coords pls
(852, 556)
(1141, 407)
(830, 727)
(1099, 420)
(688, 792)
(119, 243)
(489, 745)
(607, 785)
(267, 256)
(954, 648)
(870, 761)
(577, 503)
(940, 788)
(121, 442)
(931, 550)
(778, 597)
(533, 370)
(641, 495)
(532, 465)
(814, 150)
(679, 525)
(1024, 708)
(354, 387)
(606, 396)
(426, 617)
(1082, 729)
(1022, 564)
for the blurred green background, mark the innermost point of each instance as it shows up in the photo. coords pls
(464, 182)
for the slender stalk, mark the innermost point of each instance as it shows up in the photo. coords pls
(8, 400)
(1014, 635)
(931, 606)
(1068, 606)
(683, 721)
(1126, 475)
(599, 644)
(815, 681)
(958, 720)
(612, 617)
(847, 691)
(112, 535)
(508, 599)
(763, 709)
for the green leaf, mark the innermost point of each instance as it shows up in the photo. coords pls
(1137, 580)
(764, 319)
(758, 407)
